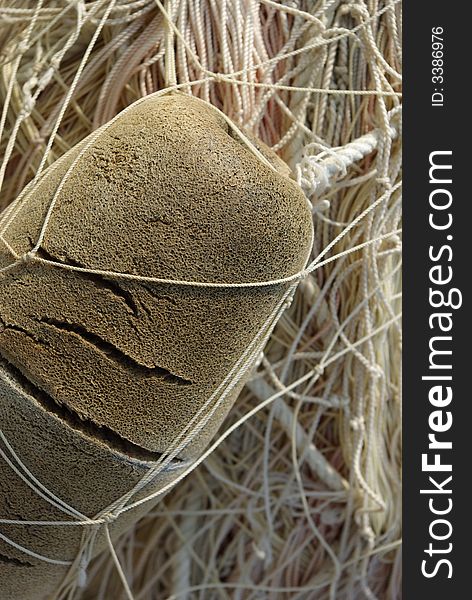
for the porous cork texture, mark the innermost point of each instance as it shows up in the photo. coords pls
(79, 469)
(168, 191)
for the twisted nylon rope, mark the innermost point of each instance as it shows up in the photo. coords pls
(114, 510)
(171, 453)
(336, 169)
(345, 157)
(330, 168)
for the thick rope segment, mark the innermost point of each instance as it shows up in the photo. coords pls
(316, 174)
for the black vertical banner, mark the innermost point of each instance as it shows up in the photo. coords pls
(437, 422)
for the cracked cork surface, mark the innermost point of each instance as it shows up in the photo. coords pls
(167, 191)
(84, 470)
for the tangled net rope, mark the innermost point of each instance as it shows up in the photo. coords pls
(320, 419)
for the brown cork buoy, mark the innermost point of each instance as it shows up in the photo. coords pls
(99, 374)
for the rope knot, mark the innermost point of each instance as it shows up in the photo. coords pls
(384, 181)
(319, 369)
(375, 372)
(321, 206)
(46, 78)
(219, 77)
(357, 423)
(301, 276)
(288, 303)
(109, 518)
(368, 534)
(28, 256)
(25, 111)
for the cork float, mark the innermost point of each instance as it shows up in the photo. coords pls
(99, 374)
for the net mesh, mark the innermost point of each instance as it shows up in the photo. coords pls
(300, 497)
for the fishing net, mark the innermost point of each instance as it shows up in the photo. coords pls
(299, 497)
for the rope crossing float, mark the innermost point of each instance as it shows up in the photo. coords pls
(246, 361)
(332, 167)
(313, 176)
(315, 173)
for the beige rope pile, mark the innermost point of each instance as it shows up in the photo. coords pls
(301, 499)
